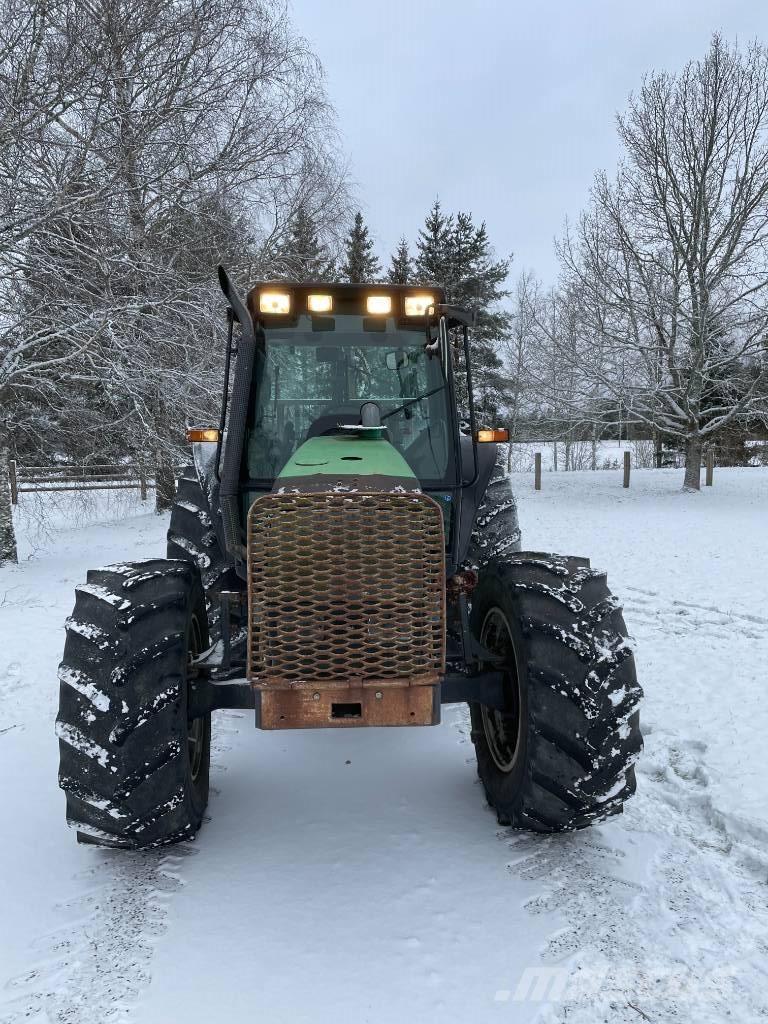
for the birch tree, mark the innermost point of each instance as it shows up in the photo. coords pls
(141, 144)
(670, 261)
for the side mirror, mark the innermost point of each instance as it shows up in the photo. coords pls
(396, 359)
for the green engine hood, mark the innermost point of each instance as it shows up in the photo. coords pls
(324, 463)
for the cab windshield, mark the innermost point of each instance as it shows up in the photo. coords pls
(317, 375)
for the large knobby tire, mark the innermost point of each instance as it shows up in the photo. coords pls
(134, 769)
(496, 530)
(191, 536)
(561, 755)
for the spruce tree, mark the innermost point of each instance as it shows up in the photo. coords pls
(433, 248)
(360, 264)
(303, 257)
(455, 254)
(400, 264)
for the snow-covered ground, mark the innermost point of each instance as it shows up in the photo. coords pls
(608, 455)
(357, 875)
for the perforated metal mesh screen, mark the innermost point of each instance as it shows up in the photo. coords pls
(348, 588)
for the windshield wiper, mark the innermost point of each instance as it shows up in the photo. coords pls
(412, 401)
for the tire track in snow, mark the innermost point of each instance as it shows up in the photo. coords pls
(12, 682)
(684, 937)
(92, 968)
(649, 606)
(665, 908)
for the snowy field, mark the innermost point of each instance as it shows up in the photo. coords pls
(608, 455)
(357, 875)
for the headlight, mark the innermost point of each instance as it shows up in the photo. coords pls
(319, 303)
(380, 305)
(418, 305)
(275, 303)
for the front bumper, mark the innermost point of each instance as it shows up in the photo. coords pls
(334, 707)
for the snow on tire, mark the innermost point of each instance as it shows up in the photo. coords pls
(134, 770)
(191, 536)
(561, 756)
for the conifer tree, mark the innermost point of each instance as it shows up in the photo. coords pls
(400, 264)
(303, 257)
(455, 254)
(433, 248)
(360, 264)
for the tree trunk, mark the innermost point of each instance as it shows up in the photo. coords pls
(554, 455)
(693, 448)
(8, 551)
(165, 482)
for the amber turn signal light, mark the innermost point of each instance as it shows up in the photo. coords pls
(498, 434)
(195, 434)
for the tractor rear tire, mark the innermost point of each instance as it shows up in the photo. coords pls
(561, 755)
(191, 536)
(134, 769)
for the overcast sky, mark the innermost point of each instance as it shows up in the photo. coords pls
(504, 109)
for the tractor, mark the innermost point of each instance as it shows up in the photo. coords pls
(344, 551)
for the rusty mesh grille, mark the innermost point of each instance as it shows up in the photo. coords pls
(345, 588)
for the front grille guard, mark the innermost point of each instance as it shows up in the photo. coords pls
(345, 589)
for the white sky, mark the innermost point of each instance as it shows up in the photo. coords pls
(504, 109)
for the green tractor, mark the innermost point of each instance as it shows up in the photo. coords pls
(344, 551)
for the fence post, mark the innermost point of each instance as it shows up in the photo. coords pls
(143, 483)
(626, 468)
(710, 467)
(537, 471)
(13, 481)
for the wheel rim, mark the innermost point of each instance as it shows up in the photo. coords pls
(502, 728)
(196, 728)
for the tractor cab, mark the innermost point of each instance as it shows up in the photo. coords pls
(348, 383)
(343, 358)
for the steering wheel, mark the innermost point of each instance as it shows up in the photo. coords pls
(329, 423)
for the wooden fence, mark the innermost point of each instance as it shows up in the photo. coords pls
(43, 479)
(709, 465)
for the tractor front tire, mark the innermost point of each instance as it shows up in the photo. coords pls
(133, 767)
(561, 754)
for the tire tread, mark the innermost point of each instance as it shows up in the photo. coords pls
(583, 725)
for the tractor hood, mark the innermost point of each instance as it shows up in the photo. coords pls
(347, 461)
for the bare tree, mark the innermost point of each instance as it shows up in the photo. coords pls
(670, 263)
(517, 355)
(39, 77)
(155, 141)
(8, 552)
(561, 386)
